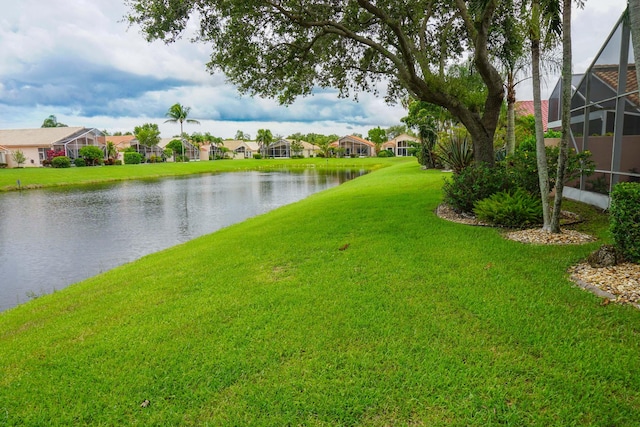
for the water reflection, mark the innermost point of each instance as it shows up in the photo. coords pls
(52, 238)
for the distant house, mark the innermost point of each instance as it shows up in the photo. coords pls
(189, 150)
(400, 145)
(122, 142)
(354, 146)
(35, 143)
(282, 149)
(237, 148)
(525, 108)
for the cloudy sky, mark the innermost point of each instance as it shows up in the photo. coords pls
(76, 59)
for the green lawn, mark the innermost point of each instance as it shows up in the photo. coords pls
(418, 321)
(50, 177)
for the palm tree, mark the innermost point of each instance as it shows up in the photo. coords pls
(543, 30)
(178, 114)
(264, 138)
(565, 111)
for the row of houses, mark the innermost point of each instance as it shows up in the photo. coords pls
(37, 144)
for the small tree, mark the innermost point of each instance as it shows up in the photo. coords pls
(296, 148)
(378, 136)
(91, 154)
(18, 157)
(148, 134)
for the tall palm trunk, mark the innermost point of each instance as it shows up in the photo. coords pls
(541, 154)
(566, 114)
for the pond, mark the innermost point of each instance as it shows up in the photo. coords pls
(52, 238)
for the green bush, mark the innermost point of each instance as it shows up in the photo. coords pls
(118, 162)
(522, 166)
(515, 209)
(132, 158)
(61, 162)
(472, 184)
(625, 219)
(79, 162)
(386, 153)
(91, 154)
(257, 156)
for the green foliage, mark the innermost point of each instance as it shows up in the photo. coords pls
(522, 166)
(377, 135)
(386, 153)
(471, 185)
(625, 219)
(132, 158)
(175, 146)
(79, 162)
(52, 122)
(18, 157)
(148, 134)
(257, 156)
(91, 154)
(456, 152)
(510, 209)
(61, 162)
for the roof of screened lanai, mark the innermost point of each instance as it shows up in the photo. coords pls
(38, 137)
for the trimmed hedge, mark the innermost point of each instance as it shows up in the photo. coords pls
(132, 158)
(61, 162)
(625, 219)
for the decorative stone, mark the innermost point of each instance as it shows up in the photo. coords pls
(605, 256)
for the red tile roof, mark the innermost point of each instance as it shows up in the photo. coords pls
(525, 108)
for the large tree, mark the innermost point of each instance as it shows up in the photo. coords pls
(286, 48)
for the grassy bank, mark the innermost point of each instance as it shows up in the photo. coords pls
(356, 306)
(50, 177)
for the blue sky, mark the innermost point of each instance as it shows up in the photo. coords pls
(76, 59)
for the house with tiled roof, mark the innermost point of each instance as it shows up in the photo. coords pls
(400, 145)
(354, 146)
(525, 108)
(36, 143)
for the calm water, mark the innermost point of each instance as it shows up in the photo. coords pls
(52, 238)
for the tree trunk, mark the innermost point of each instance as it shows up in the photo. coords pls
(511, 114)
(541, 154)
(566, 114)
(634, 21)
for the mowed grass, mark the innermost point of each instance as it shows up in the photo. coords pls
(50, 177)
(417, 321)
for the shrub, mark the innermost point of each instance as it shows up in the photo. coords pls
(79, 162)
(522, 166)
(386, 153)
(515, 209)
(257, 156)
(91, 154)
(625, 219)
(61, 162)
(132, 158)
(3, 165)
(472, 184)
(456, 152)
(118, 162)
(181, 158)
